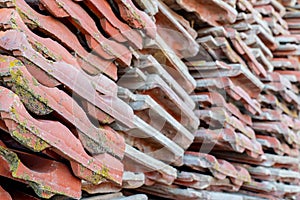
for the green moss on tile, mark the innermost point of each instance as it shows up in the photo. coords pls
(29, 18)
(42, 49)
(34, 102)
(42, 190)
(134, 14)
(11, 158)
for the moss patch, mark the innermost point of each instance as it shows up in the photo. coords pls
(34, 102)
(11, 158)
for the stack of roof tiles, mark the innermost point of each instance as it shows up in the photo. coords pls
(149, 99)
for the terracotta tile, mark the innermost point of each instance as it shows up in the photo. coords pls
(271, 142)
(256, 42)
(50, 132)
(27, 140)
(172, 63)
(238, 74)
(274, 174)
(218, 31)
(102, 188)
(54, 28)
(293, 76)
(118, 196)
(288, 2)
(296, 124)
(148, 64)
(130, 181)
(203, 11)
(245, 51)
(260, 187)
(277, 128)
(262, 58)
(278, 189)
(215, 99)
(154, 114)
(257, 195)
(7, 4)
(218, 116)
(185, 23)
(40, 173)
(177, 192)
(111, 31)
(201, 181)
(159, 92)
(269, 114)
(265, 9)
(155, 170)
(52, 50)
(285, 189)
(5, 195)
(96, 113)
(256, 15)
(226, 140)
(241, 158)
(108, 18)
(106, 48)
(41, 76)
(157, 145)
(220, 49)
(219, 168)
(242, 79)
(133, 180)
(264, 32)
(54, 9)
(280, 161)
(45, 100)
(82, 86)
(47, 47)
(278, 7)
(174, 34)
(243, 174)
(157, 88)
(136, 18)
(236, 92)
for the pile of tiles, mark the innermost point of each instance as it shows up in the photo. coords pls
(149, 99)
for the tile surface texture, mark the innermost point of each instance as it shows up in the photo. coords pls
(149, 99)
